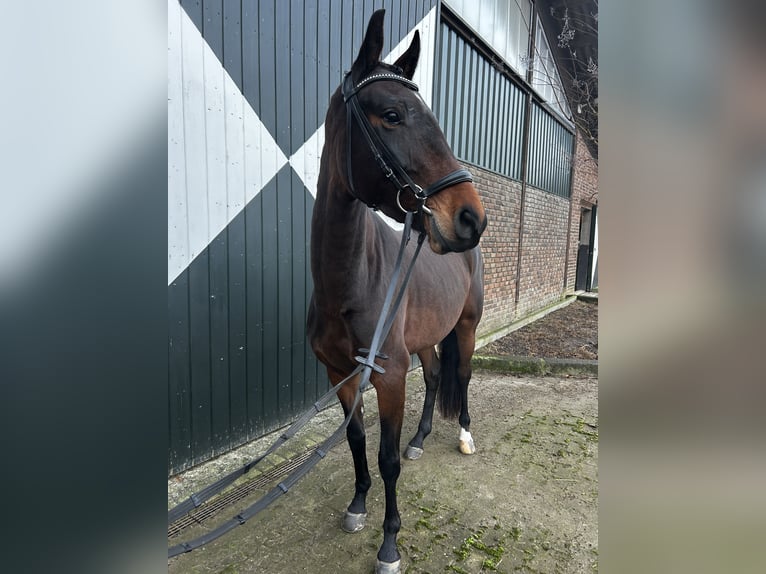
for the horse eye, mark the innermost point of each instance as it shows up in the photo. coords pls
(391, 117)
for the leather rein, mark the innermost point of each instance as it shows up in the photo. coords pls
(383, 155)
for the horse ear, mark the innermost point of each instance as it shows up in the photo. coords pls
(409, 60)
(372, 46)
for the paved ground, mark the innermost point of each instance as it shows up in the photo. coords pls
(525, 502)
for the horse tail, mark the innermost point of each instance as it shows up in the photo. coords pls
(449, 396)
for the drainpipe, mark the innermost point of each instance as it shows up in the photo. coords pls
(525, 152)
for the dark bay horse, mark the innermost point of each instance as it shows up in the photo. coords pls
(353, 254)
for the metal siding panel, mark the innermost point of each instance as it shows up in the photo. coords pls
(195, 147)
(178, 233)
(297, 77)
(237, 314)
(336, 58)
(212, 26)
(271, 287)
(199, 348)
(547, 152)
(480, 93)
(396, 34)
(250, 55)
(316, 379)
(486, 117)
(282, 77)
(538, 146)
(194, 9)
(541, 149)
(561, 159)
(520, 136)
(223, 116)
(284, 278)
(219, 342)
(468, 103)
(451, 88)
(179, 390)
(348, 48)
(411, 11)
(506, 125)
(440, 102)
(462, 104)
(267, 73)
(310, 71)
(298, 258)
(358, 25)
(324, 85)
(254, 236)
(501, 149)
(532, 145)
(496, 120)
(512, 111)
(232, 40)
(235, 180)
(476, 95)
(489, 151)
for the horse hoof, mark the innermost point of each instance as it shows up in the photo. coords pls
(413, 452)
(388, 567)
(353, 522)
(466, 442)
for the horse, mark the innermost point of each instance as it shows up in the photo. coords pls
(352, 258)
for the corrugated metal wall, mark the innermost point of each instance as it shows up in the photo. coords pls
(480, 109)
(482, 114)
(550, 153)
(248, 88)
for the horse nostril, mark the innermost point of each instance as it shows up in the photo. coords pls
(466, 224)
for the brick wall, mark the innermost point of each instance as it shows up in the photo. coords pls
(543, 251)
(500, 243)
(544, 246)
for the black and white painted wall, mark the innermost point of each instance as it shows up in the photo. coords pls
(248, 87)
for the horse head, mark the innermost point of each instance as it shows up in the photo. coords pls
(402, 132)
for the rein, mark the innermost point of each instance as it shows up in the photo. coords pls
(383, 155)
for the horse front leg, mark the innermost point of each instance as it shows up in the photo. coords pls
(391, 403)
(355, 516)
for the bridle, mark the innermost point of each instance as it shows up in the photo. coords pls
(388, 163)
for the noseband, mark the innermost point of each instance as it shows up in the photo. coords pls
(392, 169)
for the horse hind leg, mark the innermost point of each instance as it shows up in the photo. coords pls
(466, 342)
(456, 353)
(430, 363)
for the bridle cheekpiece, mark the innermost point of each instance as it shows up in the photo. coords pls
(388, 163)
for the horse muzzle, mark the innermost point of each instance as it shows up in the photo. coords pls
(459, 233)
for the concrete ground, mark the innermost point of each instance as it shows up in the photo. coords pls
(527, 501)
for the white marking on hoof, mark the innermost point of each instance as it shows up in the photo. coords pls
(466, 442)
(388, 567)
(353, 522)
(413, 452)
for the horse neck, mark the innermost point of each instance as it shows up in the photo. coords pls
(342, 235)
